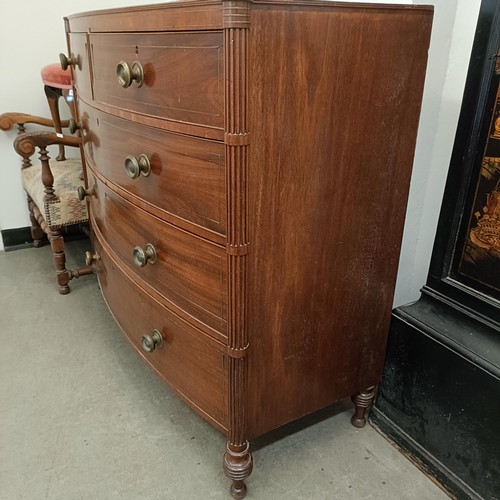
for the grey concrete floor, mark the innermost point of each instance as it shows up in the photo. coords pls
(82, 417)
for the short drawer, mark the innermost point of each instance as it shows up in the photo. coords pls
(187, 175)
(189, 362)
(183, 74)
(81, 70)
(188, 271)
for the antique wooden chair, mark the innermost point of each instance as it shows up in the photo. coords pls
(54, 199)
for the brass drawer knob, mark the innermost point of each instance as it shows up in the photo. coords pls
(83, 193)
(74, 126)
(90, 258)
(137, 166)
(66, 61)
(126, 74)
(144, 255)
(151, 342)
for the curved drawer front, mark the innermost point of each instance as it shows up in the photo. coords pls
(186, 360)
(187, 177)
(81, 72)
(183, 74)
(189, 271)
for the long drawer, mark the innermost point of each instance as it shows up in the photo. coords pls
(188, 271)
(190, 363)
(183, 74)
(187, 175)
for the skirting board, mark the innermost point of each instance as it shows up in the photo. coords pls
(18, 238)
(15, 239)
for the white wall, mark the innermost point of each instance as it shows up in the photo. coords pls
(451, 44)
(32, 35)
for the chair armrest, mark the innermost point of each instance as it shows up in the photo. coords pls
(8, 120)
(25, 145)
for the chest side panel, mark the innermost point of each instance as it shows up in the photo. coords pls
(334, 107)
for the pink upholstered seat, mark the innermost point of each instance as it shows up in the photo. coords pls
(54, 76)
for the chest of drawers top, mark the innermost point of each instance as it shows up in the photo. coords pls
(179, 15)
(186, 84)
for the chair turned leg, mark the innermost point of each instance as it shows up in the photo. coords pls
(63, 275)
(36, 231)
(362, 403)
(53, 94)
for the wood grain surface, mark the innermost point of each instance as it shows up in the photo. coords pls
(187, 178)
(189, 271)
(81, 73)
(183, 74)
(281, 135)
(332, 148)
(189, 363)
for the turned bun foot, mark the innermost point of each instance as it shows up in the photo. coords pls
(238, 489)
(362, 403)
(64, 290)
(358, 422)
(238, 464)
(37, 243)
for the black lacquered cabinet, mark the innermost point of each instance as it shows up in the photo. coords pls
(440, 395)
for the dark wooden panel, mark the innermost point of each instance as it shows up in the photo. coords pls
(183, 74)
(332, 148)
(187, 176)
(189, 271)
(187, 361)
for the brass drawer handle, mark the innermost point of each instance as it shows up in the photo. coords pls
(144, 255)
(83, 193)
(137, 166)
(74, 126)
(66, 61)
(151, 342)
(91, 258)
(126, 75)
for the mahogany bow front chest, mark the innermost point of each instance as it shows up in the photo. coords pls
(247, 166)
